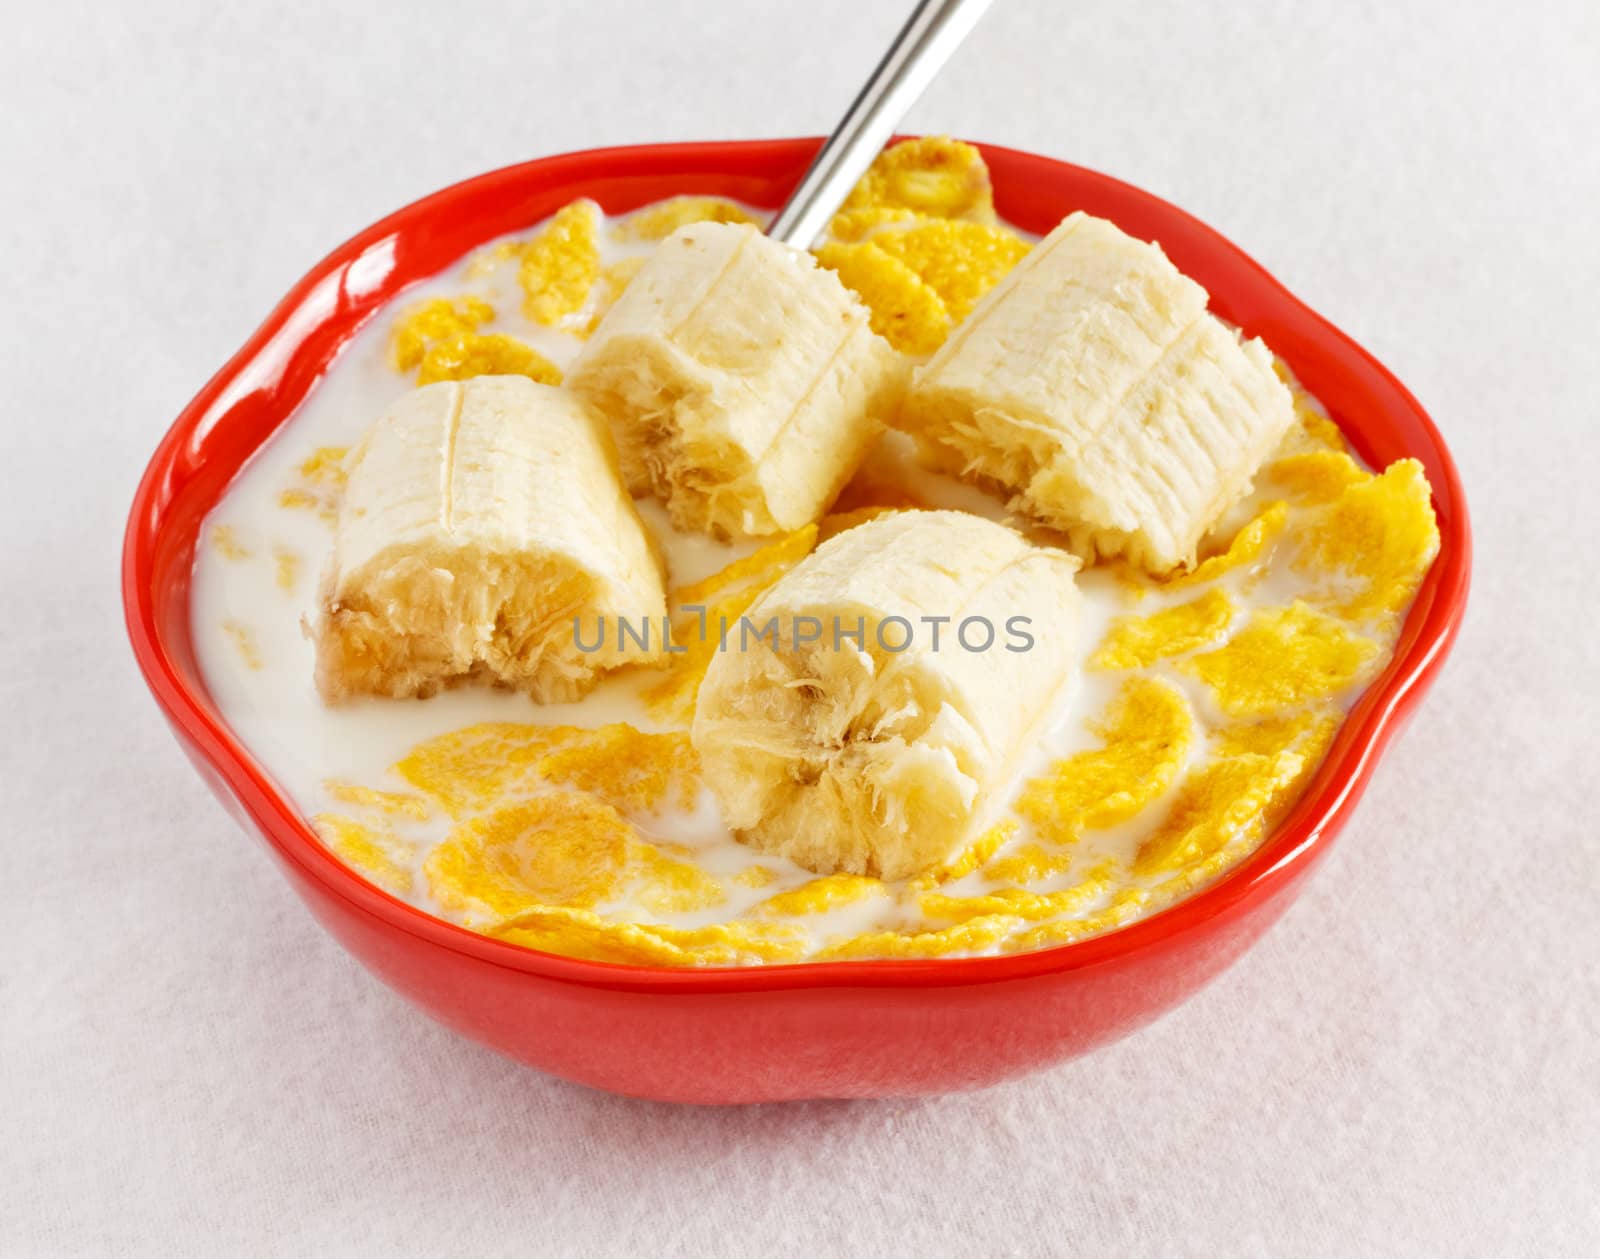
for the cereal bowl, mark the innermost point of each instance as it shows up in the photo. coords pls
(777, 1031)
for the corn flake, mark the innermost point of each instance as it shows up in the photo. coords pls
(671, 885)
(285, 568)
(584, 934)
(756, 877)
(325, 466)
(1125, 906)
(1283, 657)
(467, 354)
(761, 567)
(321, 481)
(435, 320)
(625, 767)
(1147, 733)
(1029, 863)
(959, 261)
(470, 769)
(1016, 902)
(225, 541)
(244, 640)
(375, 851)
(971, 935)
(933, 175)
(391, 803)
(823, 894)
(1313, 729)
(905, 310)
(1226, 800)
(561, 263)
(660, 219)
(853, 225)
(1380, 531)
(1136, 642)
(1252, 544)
(970, 858)
(559, 848)
(1313, 477)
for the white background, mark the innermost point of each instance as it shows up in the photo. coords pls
(1409, 1063)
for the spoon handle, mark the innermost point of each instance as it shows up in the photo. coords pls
(923, 45)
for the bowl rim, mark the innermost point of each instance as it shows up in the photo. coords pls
(1295, 843)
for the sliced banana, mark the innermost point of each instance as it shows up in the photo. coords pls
(875, 699)
(1093, 387)
(741, 380)
(485, 533)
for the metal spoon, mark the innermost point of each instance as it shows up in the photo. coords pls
(923, 45)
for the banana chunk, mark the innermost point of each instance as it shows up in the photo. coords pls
(884, 691)
(485, 534)
(1092, 385)
(741, 380)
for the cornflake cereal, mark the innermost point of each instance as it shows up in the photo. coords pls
(1379, 532)
(918, 274)
(1146, 733)
(660, 219)
(374, 850)
(285, 568)
(1205, 707)
(933, 176)
(319, 484)
(918, 243)
(464, 355)
(1282, 658)
(226, 541)
(245, 641)
(906, 311)
(560, 265)
(425, 323)
(959, 261)
(556, 848)
(1137, 641)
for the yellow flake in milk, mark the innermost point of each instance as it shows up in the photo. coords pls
(660, 219)
(1136, 642)
(557, 848)
(960, 261)
(464, 355)
(425, 323)
(1380, 532)
(906, 311)
(1283, 657)
(1147, 733)
(933, 175)
(560, 264)
(374, 850)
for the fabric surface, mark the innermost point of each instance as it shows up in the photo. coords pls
(1407, 1064)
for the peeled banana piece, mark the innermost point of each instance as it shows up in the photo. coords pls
(1092, 386)
(845, 742)
(741, 380)
(485, 534)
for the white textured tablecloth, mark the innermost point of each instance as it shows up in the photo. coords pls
(1407, 1064)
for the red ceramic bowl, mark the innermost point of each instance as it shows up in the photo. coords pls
(837, 1029)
